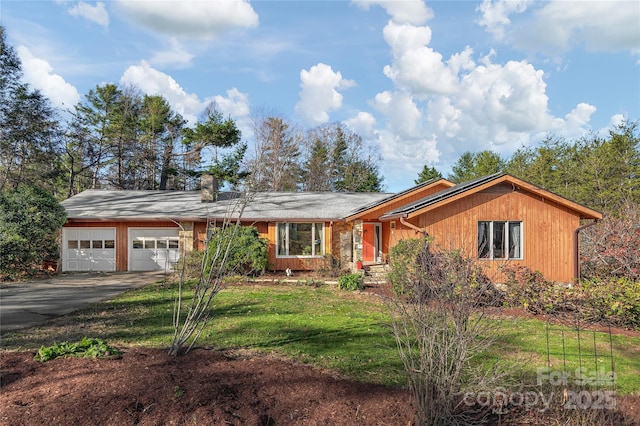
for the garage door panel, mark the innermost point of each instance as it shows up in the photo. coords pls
(153, 249)
(89, 249)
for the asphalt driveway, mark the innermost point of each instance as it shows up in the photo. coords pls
(30, 303)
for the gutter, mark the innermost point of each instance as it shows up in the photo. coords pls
(412, 226)
(576, 248)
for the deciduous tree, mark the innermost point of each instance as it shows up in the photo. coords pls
(277, 156)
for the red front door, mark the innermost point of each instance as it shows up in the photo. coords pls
(368, 242)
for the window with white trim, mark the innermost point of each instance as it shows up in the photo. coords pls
(300, 239)
(499, 240)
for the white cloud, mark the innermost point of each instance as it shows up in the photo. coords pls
(154, 82)
(407, 11)
(39, 74)
(363, 124)
(191, 19)
(599, 25)
(616, 120)
(495, 14)
(176, 55)
(97, 13)
(440, 108)
(237, 106)
(403, 159)
(576, 122)
(559, 26)
(319, 94)
(417, 67)
(405, 119)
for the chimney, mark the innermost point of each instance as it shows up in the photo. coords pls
(208, 188)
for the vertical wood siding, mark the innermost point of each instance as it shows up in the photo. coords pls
(547, 230)
(373, 214)
(297, 263)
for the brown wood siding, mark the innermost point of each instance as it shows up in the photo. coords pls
(375, 213)
(297, 263)
(200, 232)
(122, 235)
(547, 230)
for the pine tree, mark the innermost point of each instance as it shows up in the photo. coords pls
(428, 173)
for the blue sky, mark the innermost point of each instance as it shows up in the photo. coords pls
(421, 82)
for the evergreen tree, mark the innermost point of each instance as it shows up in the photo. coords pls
(161, 129)
(428, 173)
(29, 220)
(345, 164)
(315, 171)
(92, 138)
(29, 129)
(223, 138)
(474, 165)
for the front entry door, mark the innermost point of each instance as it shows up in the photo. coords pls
(370, 241)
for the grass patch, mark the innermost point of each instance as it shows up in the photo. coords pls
(320, 325)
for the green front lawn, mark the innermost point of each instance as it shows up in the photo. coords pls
(343, 331)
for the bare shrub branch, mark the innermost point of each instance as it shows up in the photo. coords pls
(439, 325)
(211, 280)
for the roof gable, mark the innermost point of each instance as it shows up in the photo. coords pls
(423, 189)
(474, 186)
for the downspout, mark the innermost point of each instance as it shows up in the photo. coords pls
(412, 226)
(576, 248)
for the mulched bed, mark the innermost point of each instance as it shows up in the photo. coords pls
(204, 387)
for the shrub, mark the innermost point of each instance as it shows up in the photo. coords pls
(439, 327)
(29, 220)
(612, 247)
(403, 273)
(615, 301)
(351, 282)
(248, 253)
(89, 348)
(529, 290)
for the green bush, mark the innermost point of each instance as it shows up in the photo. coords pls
(89, 348)
(29, 220)
(615, 300)
(404, 270)
(531, 291)
(351, 282)
(248, 253)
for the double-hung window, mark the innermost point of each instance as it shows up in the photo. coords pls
(499, 240)
(300, 239)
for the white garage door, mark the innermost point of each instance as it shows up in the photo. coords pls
(153, 249)
(88, 249)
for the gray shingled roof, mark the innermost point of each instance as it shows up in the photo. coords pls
(441, 195)
(182, 205)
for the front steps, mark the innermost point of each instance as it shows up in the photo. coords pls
(375, 274)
